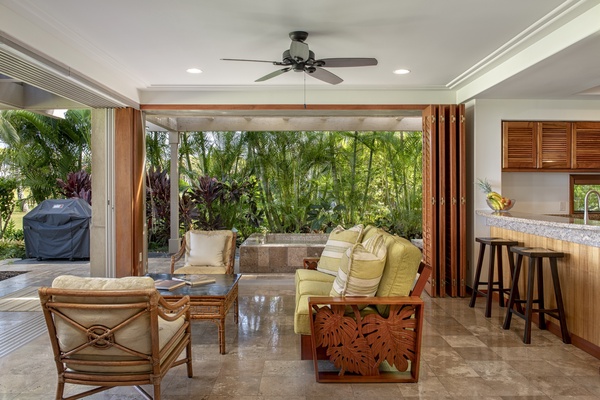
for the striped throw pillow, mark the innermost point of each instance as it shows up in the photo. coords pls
(339, 241)
(361, 269)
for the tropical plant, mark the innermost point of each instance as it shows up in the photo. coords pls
(8, 202)
(78, 185)
(288, 180)
(157, 150)
(158, 207)
(206, 194)
(46, 149)
(188, 213)
(12, 233)
(325, 216)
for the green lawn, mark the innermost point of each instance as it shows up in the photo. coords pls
(17, 217)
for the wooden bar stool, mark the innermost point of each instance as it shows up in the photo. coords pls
(495, 244)
(536, 257)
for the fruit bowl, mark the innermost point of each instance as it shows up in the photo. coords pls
(496, 206)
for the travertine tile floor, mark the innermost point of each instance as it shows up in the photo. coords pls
(464, 355)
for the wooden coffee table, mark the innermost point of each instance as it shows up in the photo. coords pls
(210, 301)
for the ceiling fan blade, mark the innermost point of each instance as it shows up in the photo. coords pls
(243, 59)
(273, 74)
(299, 50)
(325, 76)
(346, 62)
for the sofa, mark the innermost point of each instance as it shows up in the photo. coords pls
(368, 338)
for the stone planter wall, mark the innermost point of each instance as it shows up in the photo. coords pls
(279, 252)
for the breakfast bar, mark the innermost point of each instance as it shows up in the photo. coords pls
(579, 270)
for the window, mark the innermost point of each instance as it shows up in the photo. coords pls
(579, 186)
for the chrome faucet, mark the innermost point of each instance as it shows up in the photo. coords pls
(585, 204)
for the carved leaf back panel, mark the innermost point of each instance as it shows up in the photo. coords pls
(358, 344)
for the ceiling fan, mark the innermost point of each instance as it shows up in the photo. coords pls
(300, 59)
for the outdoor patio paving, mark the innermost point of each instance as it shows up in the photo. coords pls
(465, 355)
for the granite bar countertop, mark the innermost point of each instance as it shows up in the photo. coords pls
(555, 227)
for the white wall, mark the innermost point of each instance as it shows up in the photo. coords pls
(538, 193)
(534, 192)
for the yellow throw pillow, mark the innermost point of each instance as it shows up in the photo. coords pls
(339, 241)
(361, 269)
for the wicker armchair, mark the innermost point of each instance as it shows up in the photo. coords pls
(114, 332)
(206, 252)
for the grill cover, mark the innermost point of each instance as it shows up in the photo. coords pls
(58, 229)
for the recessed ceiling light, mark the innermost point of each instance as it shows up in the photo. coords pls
(194, 70)
(402, 71)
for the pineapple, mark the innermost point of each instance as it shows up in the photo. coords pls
(484, 185)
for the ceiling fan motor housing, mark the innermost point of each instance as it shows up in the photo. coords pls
(298, 36)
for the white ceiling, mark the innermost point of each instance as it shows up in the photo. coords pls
(457, 50)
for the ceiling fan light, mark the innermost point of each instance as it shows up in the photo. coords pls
(401, 71)
(193, 71)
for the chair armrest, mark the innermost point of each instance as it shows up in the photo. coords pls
(231, 260)
(424, 274)
(310, 262)
(170, 311)
(177, 256)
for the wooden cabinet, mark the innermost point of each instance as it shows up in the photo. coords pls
(586, 145)
(519, 144)
(554, 144)
(550, 146)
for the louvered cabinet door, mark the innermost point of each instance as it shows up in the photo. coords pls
(554, 142)
(519, 145)
(585, 152)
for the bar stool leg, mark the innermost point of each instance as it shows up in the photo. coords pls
(559, 302)
(540, 285)
(529, 304)
(477, 274)
(514, 288)
(490, 283)
(500, 277)
(514, 292)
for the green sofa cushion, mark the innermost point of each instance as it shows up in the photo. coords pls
(401, 268)
(305, 290)
(311, 275)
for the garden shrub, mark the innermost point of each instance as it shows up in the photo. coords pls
(8, 202)
(12, 249)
